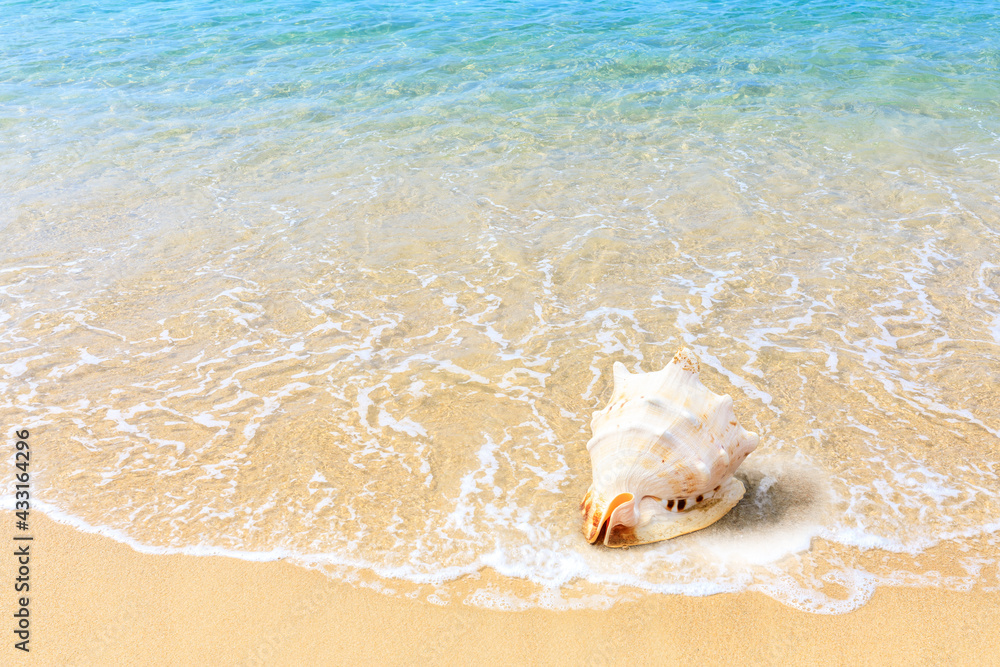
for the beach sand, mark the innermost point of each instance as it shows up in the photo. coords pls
(95, 601)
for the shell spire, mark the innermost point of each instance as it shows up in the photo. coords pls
(663, 452)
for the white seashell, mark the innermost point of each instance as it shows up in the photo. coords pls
(663, 453)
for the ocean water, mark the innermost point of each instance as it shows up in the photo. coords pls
(342, 283)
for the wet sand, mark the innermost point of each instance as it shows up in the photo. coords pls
(97, 601)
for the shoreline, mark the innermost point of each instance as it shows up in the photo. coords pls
(97, 601)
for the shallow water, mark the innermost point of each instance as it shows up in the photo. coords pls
(344, 285)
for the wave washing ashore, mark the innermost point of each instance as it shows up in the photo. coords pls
(345, 284)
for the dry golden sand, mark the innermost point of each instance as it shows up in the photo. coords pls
(95, 601)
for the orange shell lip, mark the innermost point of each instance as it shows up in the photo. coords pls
(593, 516)
(597, 514)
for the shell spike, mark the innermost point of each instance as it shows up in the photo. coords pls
(620, 375)
(687, 360)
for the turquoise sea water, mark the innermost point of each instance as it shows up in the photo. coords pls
(172, 90)
(343, 282)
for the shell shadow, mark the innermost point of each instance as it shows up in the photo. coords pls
(777, 497)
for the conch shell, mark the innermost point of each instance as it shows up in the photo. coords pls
(664, 452)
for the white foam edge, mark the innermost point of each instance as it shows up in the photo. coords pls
(494, 559)
(784, 592)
